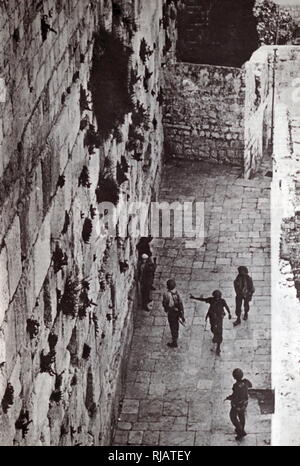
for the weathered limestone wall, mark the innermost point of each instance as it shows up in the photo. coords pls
(66, 293)
(285, 232)
(203, 112)
(286, 278)
(258, 106)
(259, 79)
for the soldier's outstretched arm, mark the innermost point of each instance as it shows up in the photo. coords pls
(198, 299)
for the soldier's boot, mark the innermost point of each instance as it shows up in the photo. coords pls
(245, 316)
(237, 322)
(218, 350)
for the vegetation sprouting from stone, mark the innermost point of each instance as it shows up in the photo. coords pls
(61, 181)
(160, 97)
(147, 76)
(122, 170)
(86, 351)
(84, 104)
(92, 139)
(84, 303)
(69, 301)
(56, 396)
(145, 51)
(111, 96)
(32, 328)
(134, 78)
(84, 178)
(46, 28)
(66, 224)
(46, 362)
(59, 259)
(96, 324)
(23, 422)
(87, 230)
(124, 266)
(52, 341)
(140, 116)
(135, 143)
(8, 398)
(118, 135)
(84, 123)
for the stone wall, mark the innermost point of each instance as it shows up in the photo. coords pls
(281, 136)
(203, 113)
(66, 291)
(269, 75)
(286, 277)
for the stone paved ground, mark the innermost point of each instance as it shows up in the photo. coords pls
(176, 396)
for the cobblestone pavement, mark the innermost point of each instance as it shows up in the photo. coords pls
(176, 396)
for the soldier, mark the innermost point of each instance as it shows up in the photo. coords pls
(244, 290)
(173, 306)
(239, 403)
(215, 315)
(143, 246)
(146, 277)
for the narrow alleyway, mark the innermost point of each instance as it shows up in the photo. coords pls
(176, 396)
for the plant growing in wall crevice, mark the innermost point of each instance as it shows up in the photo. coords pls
(147, 76)
(46, 362)
(8, 398)
(111, 96)
(66, 224)
(87, 230)
(145, 51)
(59, 258)
(69, 301)
(122, 171)
(23, 422)
(84, 303)
(135, 143)
(84, 103)
(32, 328)
(84, 178)
(92, 139)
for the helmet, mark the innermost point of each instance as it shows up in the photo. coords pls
(145, 256)
(238, 374)
(171, 284)
(217, 294)
(242, 269)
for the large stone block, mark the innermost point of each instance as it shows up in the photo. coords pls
(42, 255)
(4, 284)
(13, 246)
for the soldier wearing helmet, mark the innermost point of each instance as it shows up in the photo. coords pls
(239, 402)
(215, 315)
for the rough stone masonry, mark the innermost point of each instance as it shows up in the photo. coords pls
(66, 294)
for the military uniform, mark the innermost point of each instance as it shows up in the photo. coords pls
(239, 403)
(173, 306)
(244, 290)
(146, 277)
